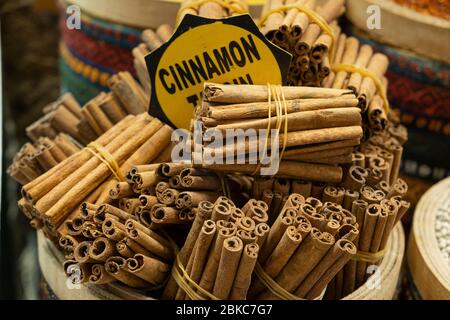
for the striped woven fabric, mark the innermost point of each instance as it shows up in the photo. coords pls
(90, 55)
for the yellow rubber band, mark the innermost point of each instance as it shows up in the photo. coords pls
(274, 287)
(280, 104)
(104, 156)
(269, 117)
(366, 73)
(283, 100)
(231, 5)
(312, 15)
(371, 257)
(183, 279)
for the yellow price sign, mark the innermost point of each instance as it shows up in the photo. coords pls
(202, 50)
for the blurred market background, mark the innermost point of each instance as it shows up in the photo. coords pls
(42, 58)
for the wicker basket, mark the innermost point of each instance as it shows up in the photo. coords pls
(430, 272)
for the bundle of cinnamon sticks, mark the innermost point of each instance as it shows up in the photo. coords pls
(220, 251)
(317, 127)
(349, 52)
(287, 24)
(34, 159)
(151, 40)
(56, 195)
(309, 242)
(85, 124)
(104, 243)
(167, 194)
(63, 115)
(370, 190)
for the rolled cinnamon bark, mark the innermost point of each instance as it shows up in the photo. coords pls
(280, 256)
(391, 207)
(150, 149)
(301, 138)
(319, 275)
(116, 267)
(370, 221)
(246, 223)
(246, 208)
(201, 183)
(42, 185)
(121, 190)
(260, 184)
(168, 197)
(254, 110)
(261, 232)
(150, 243)
(348, 57)
(200, 252)
(295, 200)
(235, 216)
(282, 222)
(267, 197)
(147, 268)
(378, 64)
(193, 198)
(112, 108)
(210, 271)
(349, 232)
(321, 155)
(78, 272)
(333, 194)
(376, 114)
(56, 213)
(136, 247)
(124, 250)
(291, 169)
(228, 265)
(400, 187)
(404, 206)
(306, 120)
(349, 197)
(81, 252)
(258, 215)
(349, 249)
(99, 275)
(371, 195)
(166, 216)
(213, 92)
(355, 178)
(109, 209)
(247, 237)
(101, 249)
(170, 169)
(246, 265)
(363, 58)
(130, 205)
(204, 213)
(151, 39)
(129, 92)
(316, 219)
(314, 247)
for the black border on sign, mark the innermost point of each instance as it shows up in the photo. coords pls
(191, 21)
